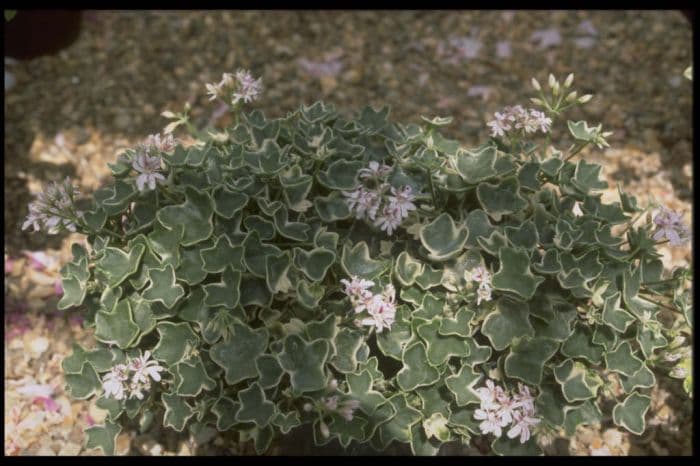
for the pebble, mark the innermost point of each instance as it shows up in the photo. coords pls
(38, 346)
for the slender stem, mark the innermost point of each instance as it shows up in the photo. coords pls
(432, 188)
(576, 151)
(633, 221)
(665, 306)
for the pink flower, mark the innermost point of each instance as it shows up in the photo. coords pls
(374, 170)
(522, 426)
(143, 368)
(403, 200)
(491, 422)
(148, 169)
(390, 219)
(670, 225)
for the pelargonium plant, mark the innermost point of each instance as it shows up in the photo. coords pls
(377, 282)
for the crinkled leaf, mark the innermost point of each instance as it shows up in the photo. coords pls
(443, 238)
(630, 413)
(508, 321)
(527, 358)
(237, 356)
(304, 362)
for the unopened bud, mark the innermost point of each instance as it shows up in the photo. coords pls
(308, 407)
(324, 430)
(537, 101)
(607, 134)
(552, 80)
(569, 80)
(536, 84)
(168, 114)
(584, 98)
(571, 97)
(555, 89)
(333, 385)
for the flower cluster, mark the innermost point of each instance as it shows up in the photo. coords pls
(133, 379)
(241, 87)
(670, 225)
(519, 118)
(148, 168)
(380, 307)
(498, 410)
(384, 205)
(165, 144)
(54, 209)
(483, 277)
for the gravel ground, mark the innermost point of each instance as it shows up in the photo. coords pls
(71, 113)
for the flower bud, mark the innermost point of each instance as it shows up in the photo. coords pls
(552, 80)
(536, 85)
(607, 134)
(584, 98)
(324, 430)
(332, 385)
(308, 407)
(571, 97)
(537, 101)
(569, 80)
(168, 114)
(555, 89)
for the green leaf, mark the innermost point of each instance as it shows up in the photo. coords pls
(165, 242)
(297, 231)
(347, 342)
(514, 274)
(392, 343)
(587, 413)
(356, 261)
(195, 214)
(276, 270)
(163, 287)
(193, 377)
(458, 325)
(238, 355)
(557, 327)
(527, 358)
(421, 445)
(116, 327)
(398, 428)
(407, 269)
(587, 177)
(501, 199)
(415, 372)
(550, 404)
(331, 208)
(648, 341)
(177, 411)
(286, 422)
(623, 360)
(269, 370)
(309, 294)
(508, 322)
(315, 263)
(440, 347)
(436, 427)
(228, 203)
(462, 386)
(643, 378)
(630, 413)
(255, 253)
(117, 265)
(479, 166)
(580, 345)
(254, 406)
(225, 293)
(222, 254)
(176, 339)
(360, 389)
(478, 226)
(524, 235)
(103, 437)
(225, 410)
(304, 362)
(84, 383)
(340, 175)
(443, 238)
(576, 383)
(614, 316)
